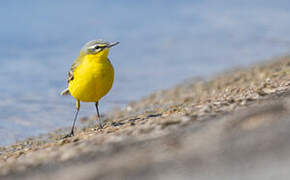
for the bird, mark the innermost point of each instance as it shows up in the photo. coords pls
(90, 77)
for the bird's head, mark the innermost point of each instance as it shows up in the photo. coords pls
(98, 47)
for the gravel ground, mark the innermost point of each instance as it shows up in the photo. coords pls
(232, 126)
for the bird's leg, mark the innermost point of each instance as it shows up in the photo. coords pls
(74, 122)
(99, 118)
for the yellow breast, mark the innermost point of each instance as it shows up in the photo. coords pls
(93, 79)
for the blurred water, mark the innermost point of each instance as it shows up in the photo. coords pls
(162, 43)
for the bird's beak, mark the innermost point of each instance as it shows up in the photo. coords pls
(112, 44)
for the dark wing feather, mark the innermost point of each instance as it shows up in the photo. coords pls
(77, 62)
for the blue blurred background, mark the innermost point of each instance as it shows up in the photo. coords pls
(162, 43)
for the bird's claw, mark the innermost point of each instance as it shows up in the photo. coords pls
(71, 134)
(100, 126)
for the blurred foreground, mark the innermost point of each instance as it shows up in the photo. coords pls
(235, 126)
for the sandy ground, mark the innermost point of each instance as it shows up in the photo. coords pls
(234, 126)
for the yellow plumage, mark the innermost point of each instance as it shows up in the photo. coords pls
(91, 76)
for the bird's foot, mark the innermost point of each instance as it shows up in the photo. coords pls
(71, 134)
(100, 127)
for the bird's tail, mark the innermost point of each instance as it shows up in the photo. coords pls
(65, 92)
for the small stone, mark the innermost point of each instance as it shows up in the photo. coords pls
(129, 108)
(269, 91)
(261, 92)
(154, 115)
(170, 122)
(205, 109)
(117, 124)
(244, 102)
(133, 120)
(75, 139)
(64, 141)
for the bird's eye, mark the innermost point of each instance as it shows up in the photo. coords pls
(97, 47)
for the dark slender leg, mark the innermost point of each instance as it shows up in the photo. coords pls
(74, 122)
(99, 118)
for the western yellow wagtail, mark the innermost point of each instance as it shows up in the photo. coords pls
(91, 76)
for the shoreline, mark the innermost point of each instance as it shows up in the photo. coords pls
(176, 112)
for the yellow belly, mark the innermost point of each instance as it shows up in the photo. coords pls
(93, 79)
